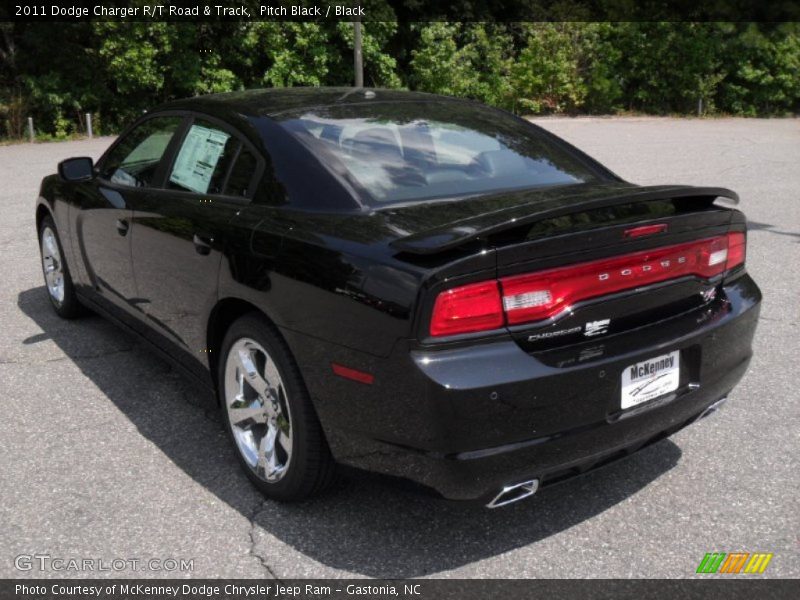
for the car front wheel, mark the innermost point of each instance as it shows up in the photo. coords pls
(269, 415)
(57, 277)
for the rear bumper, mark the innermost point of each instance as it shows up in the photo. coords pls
(468, 421)
(479, 475)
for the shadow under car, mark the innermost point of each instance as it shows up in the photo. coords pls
(366, 524)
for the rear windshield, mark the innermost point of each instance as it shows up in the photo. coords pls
(407, 151)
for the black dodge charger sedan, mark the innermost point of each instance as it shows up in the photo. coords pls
(414, 285)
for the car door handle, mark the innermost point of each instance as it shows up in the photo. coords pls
(202, 243)
(122, 227)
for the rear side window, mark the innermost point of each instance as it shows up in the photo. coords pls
(135, 159)
(241, 174)
(204, 159)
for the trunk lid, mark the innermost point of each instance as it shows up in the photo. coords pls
(536, 231)
(435, 227)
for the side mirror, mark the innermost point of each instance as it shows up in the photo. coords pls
(76, 169)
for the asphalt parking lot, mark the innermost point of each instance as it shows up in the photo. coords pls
(105, 452)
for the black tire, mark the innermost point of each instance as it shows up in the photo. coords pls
(310, 467)
(65, 303)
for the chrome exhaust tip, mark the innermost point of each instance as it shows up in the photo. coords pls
(714, 407)
(514, 493)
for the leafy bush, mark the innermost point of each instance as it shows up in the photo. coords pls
(57, 72)
(547, 75)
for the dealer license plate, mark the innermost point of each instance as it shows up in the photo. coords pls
(650, 379)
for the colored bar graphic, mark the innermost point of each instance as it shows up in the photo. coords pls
(711, 562)
(758, 562)
(733, 563)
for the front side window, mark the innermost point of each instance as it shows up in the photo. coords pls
(204, 159)
(134, 161)
(409, 151)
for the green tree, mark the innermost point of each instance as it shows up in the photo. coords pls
(56, 72)
(547, 76)
(472, 60)
(763, 64)
(380, 68)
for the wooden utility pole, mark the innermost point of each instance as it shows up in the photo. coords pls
(358, 59)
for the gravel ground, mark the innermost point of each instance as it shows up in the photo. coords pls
(107, 453)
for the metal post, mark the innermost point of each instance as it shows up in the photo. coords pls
(700, 106)
(89, 125)
(30, 129)
(357, 57)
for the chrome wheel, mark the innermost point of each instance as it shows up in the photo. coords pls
(52, 265)
(258, 409)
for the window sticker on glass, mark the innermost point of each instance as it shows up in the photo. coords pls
(198, 158)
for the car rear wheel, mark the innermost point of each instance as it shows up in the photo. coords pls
(268, 413)
(57, 277)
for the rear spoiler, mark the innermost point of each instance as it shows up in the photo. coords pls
(455, 234)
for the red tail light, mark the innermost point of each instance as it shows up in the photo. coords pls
(473, 307)
(737, 249)
(536, 296)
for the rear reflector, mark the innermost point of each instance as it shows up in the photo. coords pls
(536, 296)
(353, 374)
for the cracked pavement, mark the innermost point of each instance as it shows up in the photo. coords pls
(107, 453)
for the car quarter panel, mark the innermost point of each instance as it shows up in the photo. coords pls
(309, 276)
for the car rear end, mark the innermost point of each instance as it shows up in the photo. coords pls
(547, 316)
(588, 336)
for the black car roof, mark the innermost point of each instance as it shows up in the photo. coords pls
(270, 102)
